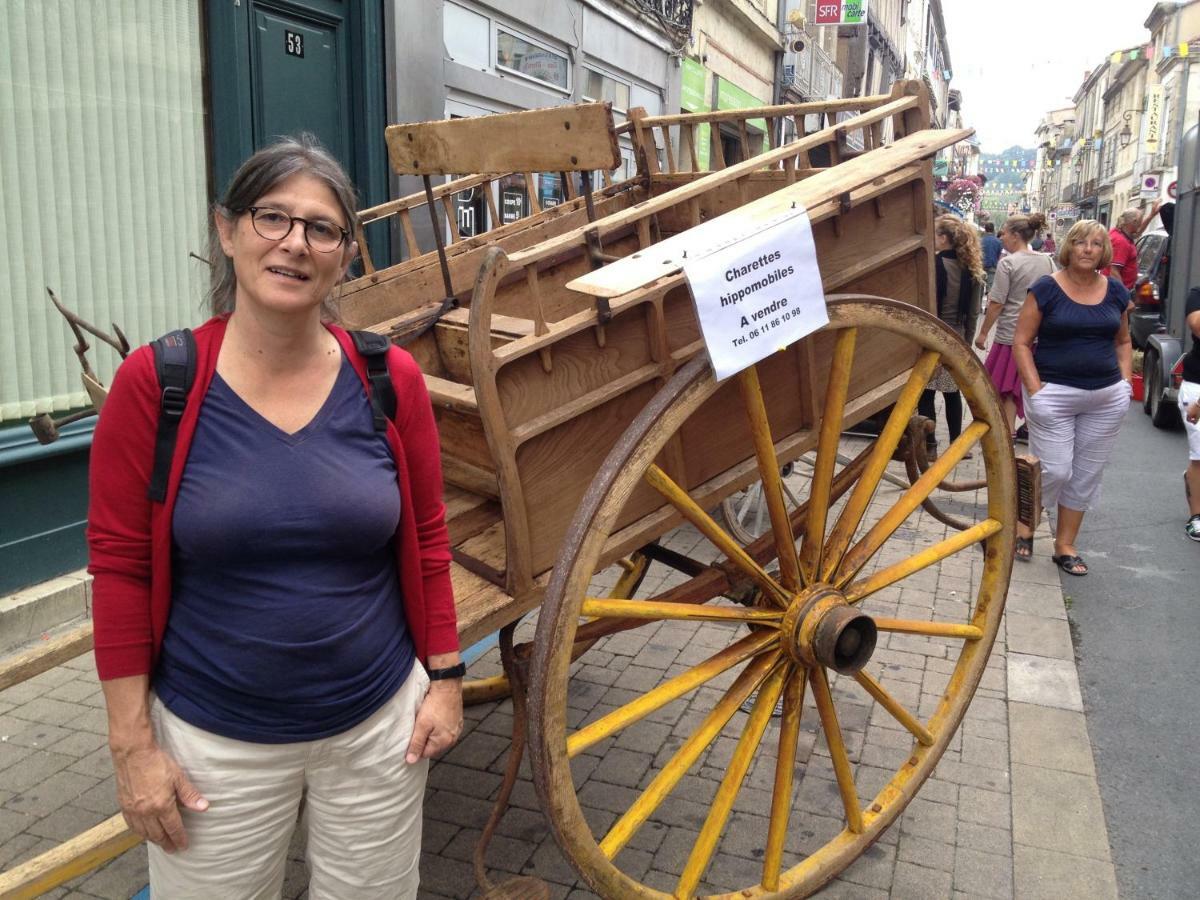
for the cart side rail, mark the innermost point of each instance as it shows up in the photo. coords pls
(760, 129)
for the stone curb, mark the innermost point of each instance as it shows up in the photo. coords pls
(1060, 837)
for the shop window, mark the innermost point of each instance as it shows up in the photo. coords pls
(465, 35)
(524, 57)
(551, 191)
(514, 201)
(599, 86)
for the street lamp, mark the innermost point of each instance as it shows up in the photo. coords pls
(1125, 135)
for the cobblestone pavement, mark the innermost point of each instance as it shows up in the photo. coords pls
(1012, 809)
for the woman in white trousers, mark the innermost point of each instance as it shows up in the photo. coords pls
(1075, 359)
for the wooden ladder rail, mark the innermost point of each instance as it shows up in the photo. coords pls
(693, 190)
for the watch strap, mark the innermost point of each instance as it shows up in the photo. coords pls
(455, 671)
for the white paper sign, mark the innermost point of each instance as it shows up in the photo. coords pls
(758, 293)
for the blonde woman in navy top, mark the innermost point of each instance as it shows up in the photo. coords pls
(1075, 359)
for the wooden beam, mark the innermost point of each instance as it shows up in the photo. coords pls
(46, 655)
(559, 139)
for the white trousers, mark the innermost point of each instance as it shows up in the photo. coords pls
(1073, 431)
(1189, 393)
(363, 809)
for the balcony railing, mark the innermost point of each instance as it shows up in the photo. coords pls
(674, 14)
(811, 73)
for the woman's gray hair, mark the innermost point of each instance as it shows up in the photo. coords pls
(288, 156)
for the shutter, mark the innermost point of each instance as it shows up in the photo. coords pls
(103, 186)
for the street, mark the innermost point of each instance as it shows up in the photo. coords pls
(1135, 624)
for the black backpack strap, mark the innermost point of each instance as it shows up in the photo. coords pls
(175, 365)
(374, 349)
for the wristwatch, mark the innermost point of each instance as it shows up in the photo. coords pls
(455, 671)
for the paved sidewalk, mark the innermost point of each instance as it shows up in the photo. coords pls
(1013, 808)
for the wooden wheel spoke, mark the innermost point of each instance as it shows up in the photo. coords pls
(626, 827)
(743, 755)
(678, 497)
(669, 690)
(827, 444)
(858, 556)
(785, 769)
(837, 748)
(893, 706)
(927, 557)
(930, 629)
(695, 612)
(881, 455)
(772, 480)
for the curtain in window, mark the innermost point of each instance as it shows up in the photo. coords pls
(102, 184)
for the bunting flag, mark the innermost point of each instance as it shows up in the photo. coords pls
(1147, 52)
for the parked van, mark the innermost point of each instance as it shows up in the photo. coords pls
(1162, 365)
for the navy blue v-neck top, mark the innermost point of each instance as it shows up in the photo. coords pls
(1076, 341)
(286, 618)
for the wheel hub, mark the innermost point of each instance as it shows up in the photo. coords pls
(821, 629)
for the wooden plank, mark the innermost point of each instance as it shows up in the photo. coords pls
(849, 104)
(411, 201)
(560, 139)
(451, 395)
(666, 257)
(70, 859)
(469, 477)
(45, 655)
(468, 514)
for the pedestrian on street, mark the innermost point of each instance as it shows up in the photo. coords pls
(1124, 262)
(1077, 382)
(1048, 245)
(1189, 411)
(262, 633)
(992, 248)
(960, 280)
(1014, 274)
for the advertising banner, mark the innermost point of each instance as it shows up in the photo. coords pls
(841, 12)
(1154, 114)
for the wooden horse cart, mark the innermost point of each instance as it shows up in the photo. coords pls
(581, 424)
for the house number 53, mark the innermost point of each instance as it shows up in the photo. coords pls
(294, 44)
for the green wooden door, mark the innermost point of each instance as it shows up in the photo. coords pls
(286, 66)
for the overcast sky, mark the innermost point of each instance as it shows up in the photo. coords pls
(1014, 60)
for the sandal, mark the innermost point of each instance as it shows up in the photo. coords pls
(1070, 564)
(1024, 549)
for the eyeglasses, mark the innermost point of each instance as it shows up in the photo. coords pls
(275, 225)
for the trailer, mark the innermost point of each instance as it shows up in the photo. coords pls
(581, 424)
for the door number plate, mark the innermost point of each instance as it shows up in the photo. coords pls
(293, 44)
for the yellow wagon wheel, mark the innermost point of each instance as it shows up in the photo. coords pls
(831, 579)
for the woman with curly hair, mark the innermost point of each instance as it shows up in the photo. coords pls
(960, 280)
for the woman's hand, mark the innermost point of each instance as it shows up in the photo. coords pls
(150, 789)
(981, 341)
(1193, 413)
(439, 721)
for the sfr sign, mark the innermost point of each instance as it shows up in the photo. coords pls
(840, 12)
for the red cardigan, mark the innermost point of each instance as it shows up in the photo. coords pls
(129, 538)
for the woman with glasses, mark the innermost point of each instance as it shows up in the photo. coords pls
(265, 632)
